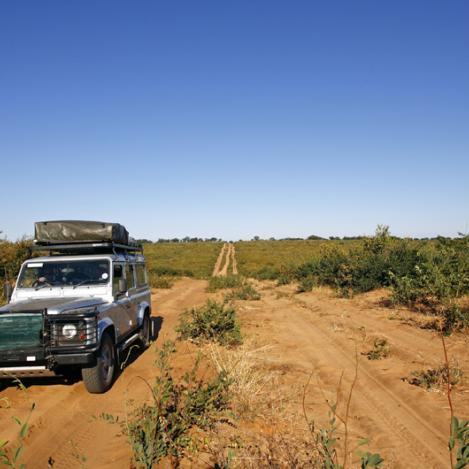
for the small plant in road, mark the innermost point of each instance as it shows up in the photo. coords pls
(10, 457)
(435, 377)
(380, 350)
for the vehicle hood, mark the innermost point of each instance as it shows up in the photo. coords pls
(53, 305)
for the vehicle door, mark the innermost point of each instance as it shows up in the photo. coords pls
(132, 309)
(120, 314)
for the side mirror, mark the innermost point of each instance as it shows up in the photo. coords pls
(7, 291)
(122, 285)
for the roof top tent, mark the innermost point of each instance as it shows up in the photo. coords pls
(83, 237)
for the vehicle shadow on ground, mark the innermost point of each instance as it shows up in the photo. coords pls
(134, 352)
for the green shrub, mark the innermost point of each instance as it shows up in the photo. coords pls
(165, 427)
(306, 284)
(12, 255)
(220, 283)
(245, 292)
(267, 272)
(454, 319)
(214, 322)
(431, 275)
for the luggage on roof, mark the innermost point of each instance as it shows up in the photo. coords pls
(75, 231)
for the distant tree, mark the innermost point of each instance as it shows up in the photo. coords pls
(313, 237)
(256, 238)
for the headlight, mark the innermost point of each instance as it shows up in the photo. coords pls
(69, 331)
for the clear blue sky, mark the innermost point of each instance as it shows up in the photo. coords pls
(235, 119)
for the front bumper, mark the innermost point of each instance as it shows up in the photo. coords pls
(21, 364)
(39, 346)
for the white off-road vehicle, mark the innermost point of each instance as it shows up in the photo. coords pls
(80, 307)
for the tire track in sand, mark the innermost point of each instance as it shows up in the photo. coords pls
(227, 254)
(218, 264)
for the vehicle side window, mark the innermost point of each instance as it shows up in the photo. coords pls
(118, 273)
(141, 275)
(129, 272)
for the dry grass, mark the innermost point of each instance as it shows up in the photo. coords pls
(251, 382)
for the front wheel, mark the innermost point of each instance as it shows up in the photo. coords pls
(145, 331)
(98, 379)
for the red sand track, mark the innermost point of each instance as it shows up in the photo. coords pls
(311, 331)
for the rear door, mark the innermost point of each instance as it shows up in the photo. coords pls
(120, 314)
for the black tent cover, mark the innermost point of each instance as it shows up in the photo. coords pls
(77, 231)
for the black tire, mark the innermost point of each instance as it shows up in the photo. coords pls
(99, 378)
(145, 331)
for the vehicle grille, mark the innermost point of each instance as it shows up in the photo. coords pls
(21, 331)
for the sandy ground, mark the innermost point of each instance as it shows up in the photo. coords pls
(309, 334)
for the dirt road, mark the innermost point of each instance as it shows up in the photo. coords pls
(225, 259)
(316, 332)
(308, 332)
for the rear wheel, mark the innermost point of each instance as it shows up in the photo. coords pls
(99, 378)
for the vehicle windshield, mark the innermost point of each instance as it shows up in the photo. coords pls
(64, 274)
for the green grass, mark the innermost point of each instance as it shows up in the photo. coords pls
(190, 259)
(264, 258)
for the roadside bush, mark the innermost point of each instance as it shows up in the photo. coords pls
(437, 277)
(165, 427)
(12, 255)
(306, 284)
(266, 273)
(157, 281)
(213, 322)
(454, 319)
(429, 276)
(220, 283)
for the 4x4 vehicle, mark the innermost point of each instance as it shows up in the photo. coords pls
(79, 307)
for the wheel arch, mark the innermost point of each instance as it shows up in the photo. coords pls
(106, 325)
(143, 308)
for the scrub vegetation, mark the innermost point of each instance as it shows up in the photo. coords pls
(431, 276)
(213, 411)
(182, 259)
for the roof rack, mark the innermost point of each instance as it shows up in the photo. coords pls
(88, 247)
